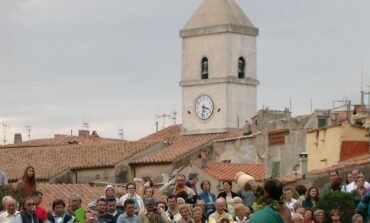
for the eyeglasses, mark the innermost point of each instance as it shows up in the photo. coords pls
(30, 204)
(131, 188)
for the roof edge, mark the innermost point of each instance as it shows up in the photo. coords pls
(226, 28)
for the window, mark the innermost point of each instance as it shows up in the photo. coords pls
(321, 122)
(241, 67)
(204, 67)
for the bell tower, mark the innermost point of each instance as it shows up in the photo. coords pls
(218, 80)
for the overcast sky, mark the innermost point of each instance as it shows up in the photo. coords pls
(117, 63)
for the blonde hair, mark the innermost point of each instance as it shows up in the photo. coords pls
(239, 207)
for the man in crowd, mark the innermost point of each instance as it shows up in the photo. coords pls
(40, 212)
(58, 214)
(103, 216)
(129, 215)
(289, 200)
(112, 207)
(333, 177)
(28, 214)
(74, 208)
(10, 212)
(151, 214)
(220, 213)
(177, 187)
(172, 211)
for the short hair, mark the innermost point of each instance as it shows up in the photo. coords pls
(130, 184)
(75, 195)
(229, 182)
(301, 189)
(180, 175)
(184, 206)
(150, 202)
(203, 182)
(58, 202)
(288, 188)
(274, 188)
(355, 216)
(197, 209)
(180, 199)
(128, 201)
(297, 216)
(237, 199)
(239, 207)
(162, 202)
(171, 197)
(334, 211)
(334, 171)
(192, 176)
(101, 199)
(37, 193)
(360, 177)
(6, 198)
(111, 199)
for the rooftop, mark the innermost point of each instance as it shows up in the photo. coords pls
(226, 171)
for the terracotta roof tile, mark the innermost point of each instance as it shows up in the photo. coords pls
(52, 160)
(60, 140)
(168, 134)
(227, 171)
(178, 147)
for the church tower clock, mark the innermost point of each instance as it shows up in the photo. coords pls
(218, 81)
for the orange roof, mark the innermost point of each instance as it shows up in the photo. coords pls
(88, 192)
(167, 134)
(354, 162)
(60, 140)
(178, 147)
(52, 160)
(227, 171)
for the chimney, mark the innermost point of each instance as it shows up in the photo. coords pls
(303, 159)
(17, 138)
(165, 178)
(83, 132)
(202, 160)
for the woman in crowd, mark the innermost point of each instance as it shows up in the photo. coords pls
(312, 198)
(318, 216)
(348, 181)
(308, 216)
(27, 184)
(198, 215)
(242, 213)
(360, 192)
(297, 218)
(208, 197)
(228, 195)
(185, 214)
(334, 216)
(131, 194)
(148, 193)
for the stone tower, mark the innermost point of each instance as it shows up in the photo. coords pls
(219, 83)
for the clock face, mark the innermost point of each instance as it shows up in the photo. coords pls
(204, 107)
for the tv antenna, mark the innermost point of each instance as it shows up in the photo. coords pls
(5, 126)
(28, 129)
(85, 126)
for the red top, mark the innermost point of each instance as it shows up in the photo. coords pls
(41, 213)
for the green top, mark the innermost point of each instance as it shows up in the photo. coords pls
(266, 215)
(80, 215)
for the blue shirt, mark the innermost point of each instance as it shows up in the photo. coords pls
(123, 218)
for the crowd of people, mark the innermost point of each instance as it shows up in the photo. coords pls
(269, 203)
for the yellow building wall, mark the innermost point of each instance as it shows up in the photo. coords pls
(323, 145)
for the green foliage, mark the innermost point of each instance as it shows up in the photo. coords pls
(339, 200)
(7, 190)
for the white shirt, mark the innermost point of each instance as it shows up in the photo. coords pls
(350, 187)
(7, 218)
(290, 205)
